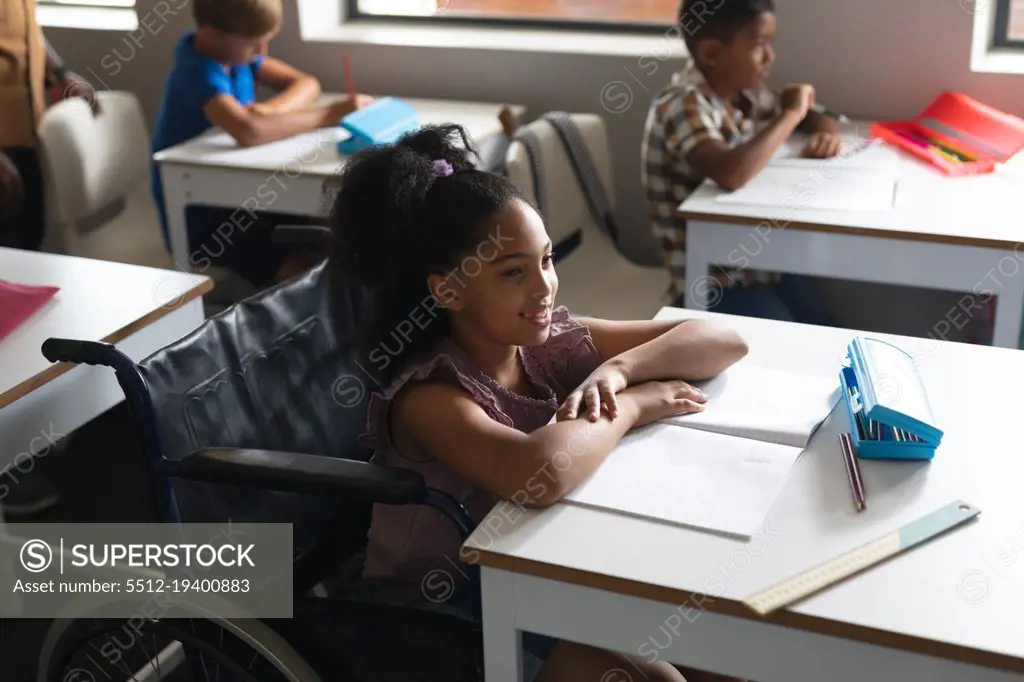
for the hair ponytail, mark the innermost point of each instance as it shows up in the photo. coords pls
(398, 216)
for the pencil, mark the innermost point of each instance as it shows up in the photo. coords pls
(853, 473)
(349, 80)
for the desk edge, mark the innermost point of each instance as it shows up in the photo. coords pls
(55, 370)
(730, 607)
(778, 223)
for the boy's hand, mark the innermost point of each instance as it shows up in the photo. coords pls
(12, 191)
(798, 99)
(823, 146)
(346, 106)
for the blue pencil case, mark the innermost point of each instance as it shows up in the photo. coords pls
(382, 122)
(886, 403)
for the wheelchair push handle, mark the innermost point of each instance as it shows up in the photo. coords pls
(78, 352)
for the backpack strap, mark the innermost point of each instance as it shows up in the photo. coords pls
(534, 156)
(586, 172)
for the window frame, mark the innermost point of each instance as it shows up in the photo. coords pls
(1001, 37)
(353, 13)
(87, 4)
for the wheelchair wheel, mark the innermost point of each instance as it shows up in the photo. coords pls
(182, 650)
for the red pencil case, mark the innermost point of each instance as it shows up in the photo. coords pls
(983, 134)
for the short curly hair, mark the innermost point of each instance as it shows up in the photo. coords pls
(719, 19)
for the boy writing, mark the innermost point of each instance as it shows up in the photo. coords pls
(213, 83)
(718, 120)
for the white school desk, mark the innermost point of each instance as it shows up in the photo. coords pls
(138, 309)
(283, 177)
(949, 610)
(954, 233)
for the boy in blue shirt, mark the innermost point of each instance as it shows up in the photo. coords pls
(718, 120)
(213, 83)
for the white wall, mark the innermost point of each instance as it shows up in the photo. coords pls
(869, 58)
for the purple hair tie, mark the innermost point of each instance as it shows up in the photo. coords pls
(441, 168)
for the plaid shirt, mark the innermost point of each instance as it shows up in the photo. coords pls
(683, 114)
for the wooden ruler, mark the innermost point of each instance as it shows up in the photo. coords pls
(865, 556)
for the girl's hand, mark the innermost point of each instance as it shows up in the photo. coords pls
(598, 389)
(656, 400)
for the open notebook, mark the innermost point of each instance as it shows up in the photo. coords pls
(722, 469)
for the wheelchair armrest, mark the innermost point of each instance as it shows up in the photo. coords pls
(308, 474)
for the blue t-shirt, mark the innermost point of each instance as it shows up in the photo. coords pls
(194, 80)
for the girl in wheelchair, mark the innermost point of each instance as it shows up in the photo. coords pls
(486, 378)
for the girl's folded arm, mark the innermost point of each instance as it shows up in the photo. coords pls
(659, 350)
(532, 470)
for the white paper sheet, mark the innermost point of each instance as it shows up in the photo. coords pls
(764, 404)
(822, 187)
(692, 478)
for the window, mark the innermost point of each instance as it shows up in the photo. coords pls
(89, 3)
(1010, 24)
(604, 14)
(111, 15)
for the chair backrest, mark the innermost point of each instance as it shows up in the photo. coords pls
(91, 161)
(278, 371)
(568, 211)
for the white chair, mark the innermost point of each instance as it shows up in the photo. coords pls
(96, 171)
(594, 279)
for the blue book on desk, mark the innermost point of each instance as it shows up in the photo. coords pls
(382, 122)
(886, 402)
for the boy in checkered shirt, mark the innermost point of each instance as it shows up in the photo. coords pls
(716, 119)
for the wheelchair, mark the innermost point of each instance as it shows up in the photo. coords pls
(254, 417)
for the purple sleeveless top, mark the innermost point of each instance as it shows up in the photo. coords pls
(407, 542)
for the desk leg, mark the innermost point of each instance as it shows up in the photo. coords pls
(176, 197)
(503, 659)
(1009, 308)
(698, 265)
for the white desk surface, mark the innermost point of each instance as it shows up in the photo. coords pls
(316, 152)
(981, 210)
(963, 590)
(97, 301)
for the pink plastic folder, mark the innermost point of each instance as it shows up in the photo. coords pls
(18, 302)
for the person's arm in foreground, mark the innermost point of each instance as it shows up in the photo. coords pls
(529, 469)
(651, 350)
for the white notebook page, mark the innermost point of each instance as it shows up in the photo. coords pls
(764, 404)
(693, 478)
